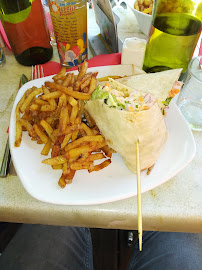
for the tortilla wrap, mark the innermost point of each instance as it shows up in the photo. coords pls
(157, 84)
(121, 130)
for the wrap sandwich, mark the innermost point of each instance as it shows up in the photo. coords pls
(161, 85)
(124, 115)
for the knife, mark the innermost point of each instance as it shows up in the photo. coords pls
(5, 165)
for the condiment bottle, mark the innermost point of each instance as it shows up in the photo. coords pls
(25, 26)
(175, 30)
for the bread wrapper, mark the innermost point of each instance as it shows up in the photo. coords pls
(122, 128)
(157, 84)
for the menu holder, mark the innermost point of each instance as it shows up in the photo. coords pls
(107, 41)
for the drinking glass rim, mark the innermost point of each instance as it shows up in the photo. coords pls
(189, 67)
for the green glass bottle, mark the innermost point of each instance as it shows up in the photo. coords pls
(25, 26)
(175, 30)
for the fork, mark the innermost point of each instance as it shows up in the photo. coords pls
(37, 72)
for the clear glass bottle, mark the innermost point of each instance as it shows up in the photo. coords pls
(25, 26)
(175, 30)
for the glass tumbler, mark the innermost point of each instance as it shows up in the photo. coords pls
(190, 97)
(69, 18)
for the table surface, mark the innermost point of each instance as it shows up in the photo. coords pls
(173, 206)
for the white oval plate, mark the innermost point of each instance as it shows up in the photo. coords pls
(113, 183)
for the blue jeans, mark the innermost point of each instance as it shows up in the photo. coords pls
(40, 247)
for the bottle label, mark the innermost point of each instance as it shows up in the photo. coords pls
(69, 20)
(16, 17)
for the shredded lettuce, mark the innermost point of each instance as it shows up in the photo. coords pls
(108, 98)
(99, 93)
(167, 101)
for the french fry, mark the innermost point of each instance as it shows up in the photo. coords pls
(73, 78)
(100, 166)
(76, 132)
(103, 79)
(40, 133)
(67, 130)
(45, 90)
(82, 70)
(48, 129)
(84, 157)
(61, 103)
(46, 149)
(55, 150)
(57, 167)
(50, 107)
(83, 140)
(93, 84)
(87, 130)
(64, 118)
(62, 182)
(85, 84)
(81, 108)
(52, 95)
(66, 140)
(81, 166)
(67, 80)
(28, 127)
(31, 96)
(100, 145)
(85, 89)
(18, 134)
(35, 107)
(95, 130)
(22, 100)
(97, 156)
(60, 74)
(55, 160)
(76, 152)
(74, 113)
(72, 101)
(69, 91)
(107, 150)
(69, 176)
(148, 10)
(17, 111)
(50, 119)
(65, 168)
(40, 101)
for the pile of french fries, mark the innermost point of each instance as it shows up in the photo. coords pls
(54, 115)
(145, 6)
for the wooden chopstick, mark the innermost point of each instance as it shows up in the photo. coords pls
(139, 200)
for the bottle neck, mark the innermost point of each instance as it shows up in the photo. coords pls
(14, 6)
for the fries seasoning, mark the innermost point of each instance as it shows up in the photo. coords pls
(54, 115)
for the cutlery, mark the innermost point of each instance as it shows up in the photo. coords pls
(7, 156)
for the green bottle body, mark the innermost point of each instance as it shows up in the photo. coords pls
(173, 37)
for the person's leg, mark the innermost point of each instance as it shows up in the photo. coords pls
(168, 251)
(40, 247)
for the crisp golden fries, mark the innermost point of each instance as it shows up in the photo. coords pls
(54, 115)
(145, 6)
